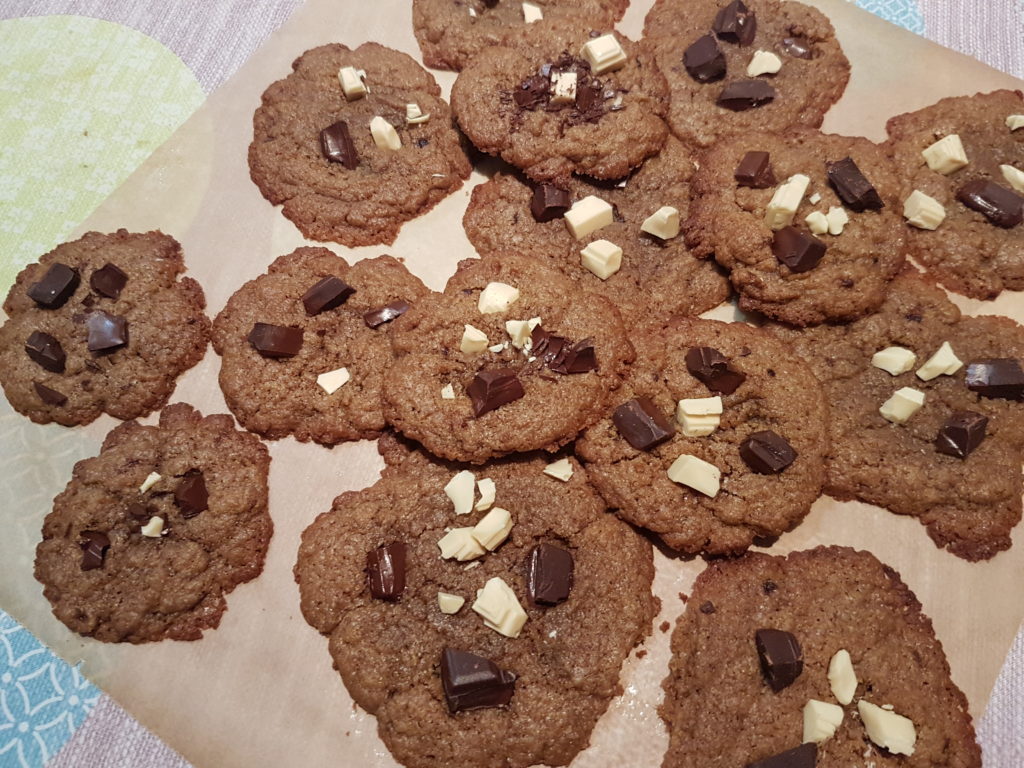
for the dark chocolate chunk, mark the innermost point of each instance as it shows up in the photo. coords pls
(57, 286)
(141, 511)
(580, 357)
(707, 608)
(711, 367)
(94, 546)
(49, 396)
(745, 94)
(276, 340)
(961, 434)
(548, 574)
(642, 424)
(327, 294)
(473, 682)
(1001, 206)
(385, 571)
(769, 586)
(545, 346)
(782, 661)
(736, 23)
(422, 142)
(804, 756)
(337, 145)
(46, 351)
(590, 100)
(704, 60)
(191, 495)
(532, 92)
(1001, 377)
(852, 186)
(377, 317)
(106, 331)
(800, 251)
(493, 389)
(797, 47)
(755, 171)
(109, 280)
(767, 453)
(549, 202)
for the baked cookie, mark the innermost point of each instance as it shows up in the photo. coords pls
(735, 67)
(807, 223)
(955, 464)
(451, 32)
(746, 458)
(353, 144)
(511, 357)
(101, 324)
(823, 615)
(973, 240)
(565, 590)
(305, 345)
(149, 536)
(507, 214)
(557, 101)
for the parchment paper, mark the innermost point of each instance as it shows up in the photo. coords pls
(260, 690)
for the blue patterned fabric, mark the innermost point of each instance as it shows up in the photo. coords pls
(905, 13)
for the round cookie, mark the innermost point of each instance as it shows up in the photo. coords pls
(101, 324)
(303, 394)
(451, 32)
(505, 103)
(967, 252)
(567, 657)
(969, 505)
(470, 405)
(366, 192)
(123, 564)
(763, 388)
(772, 272)
(656, 273)
(812, 76)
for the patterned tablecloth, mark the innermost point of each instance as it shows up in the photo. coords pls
(88, 89)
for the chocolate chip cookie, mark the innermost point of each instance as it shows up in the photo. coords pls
(564, 589)
(718, 437)
(354, 143)
(305, 345)
(149, 536)
(961, 162)
(772, 651)
(807, 223)
(101, 324)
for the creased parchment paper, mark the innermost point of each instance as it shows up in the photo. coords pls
(260, 690)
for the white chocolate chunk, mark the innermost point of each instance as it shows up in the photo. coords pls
(602, 257)
(786, 200)
(351, 83)
(922, 211)
(472, 13)
(520, 331)
(560, 470)
(888, 730)
(894, 360)
(816, 222)
(814, 199)
(151, 479)
(588, 215)
(563, 88)
(153, 528)
(699, 416)
(497, 297)
(1014, 177)
(331, 381)
(1015, 122)
(447, 392)
(496, 348)
(414, 115)
(943, 363)
(604, 54)
(384, 134)
(449, 603)
(460, 491)
(486, 488)
(497, 603)
(493, 528)
(821, 719)
(841, 677)
(903, 404)
(532, 13)
(663, 223)
(474, 341)
(837, 219)
(459, 544)
(946, 155)
(696, 473)
(763, 63)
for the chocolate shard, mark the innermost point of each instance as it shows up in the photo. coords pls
(109, 280)
(191, 495)
(1000, 377)
(49, 396)
(545, 346)
(276, 340)
(767, 453)
(46, 351)
(755, 171)
(704, 60)
(804, 756)
(961, 434)
(782, 661)
(1000, 206)
(94, 546)
(549, 202)
(106, 331)
(473, 682)
(548, 574)
(745, 94)
(580, 357)
(711, 368)
(141, 511)
(377, 317)
(797, 47)
(337, 145)
(800, 251)
(642, 424)
(853, 187)
(590, 100)
(385, 571)
(326, 294)
(531, 92)
(493, 389)
(736, 23)
(57, 286)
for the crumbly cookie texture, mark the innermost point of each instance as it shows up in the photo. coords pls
(148, 320)
(969, 505)
(565, 660)
(720, 709)
(365, 194)
(113, 574)
(966, 252)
